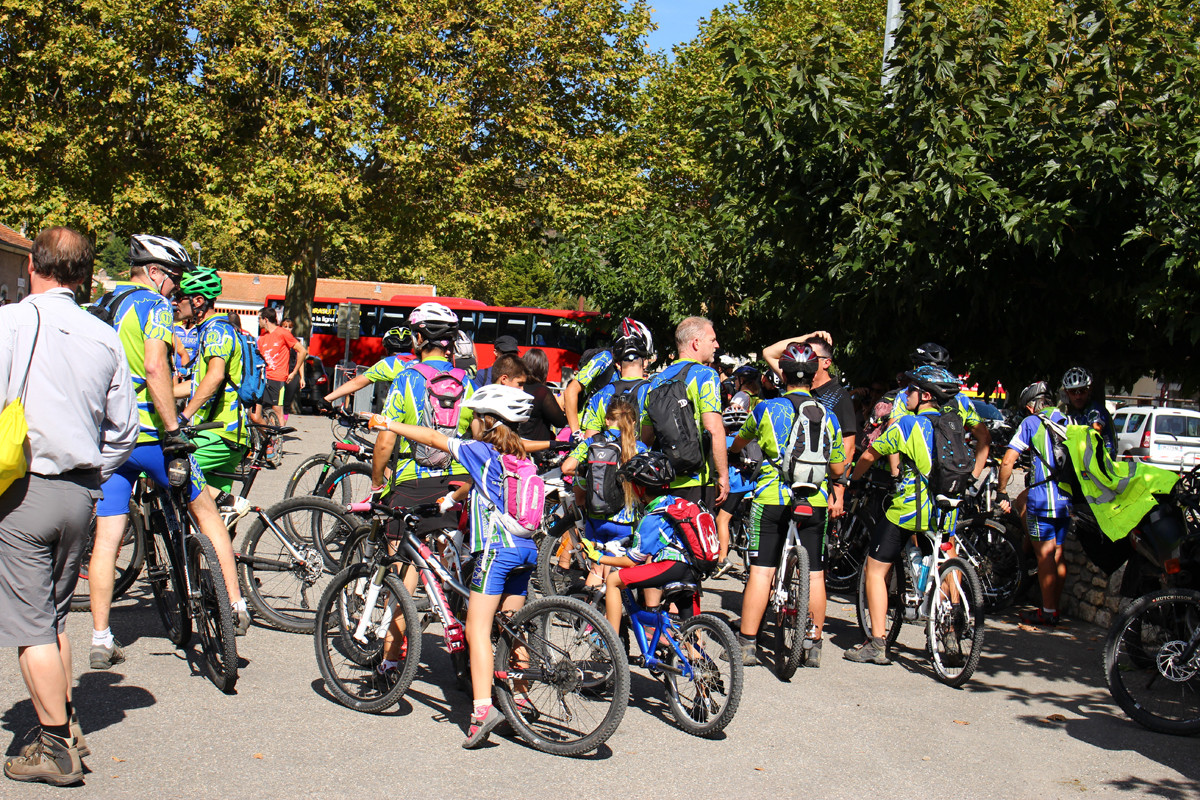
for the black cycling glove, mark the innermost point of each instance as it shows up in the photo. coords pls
(176, 443)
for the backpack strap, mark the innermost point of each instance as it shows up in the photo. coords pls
(111, 301)
(796, 402)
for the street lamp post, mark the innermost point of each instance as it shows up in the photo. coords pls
(197, 246)
(889, 36)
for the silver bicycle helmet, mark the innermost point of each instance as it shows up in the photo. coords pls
(1077, 378)
(167, 253)
(508, 403)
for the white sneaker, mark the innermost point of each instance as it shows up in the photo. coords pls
(230, 515)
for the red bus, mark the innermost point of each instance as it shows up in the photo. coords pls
(561, 334)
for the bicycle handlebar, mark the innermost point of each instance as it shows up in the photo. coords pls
(188, 430)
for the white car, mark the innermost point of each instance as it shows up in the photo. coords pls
(1164, 437)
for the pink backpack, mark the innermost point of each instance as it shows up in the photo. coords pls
(444, 392)
(524, 496)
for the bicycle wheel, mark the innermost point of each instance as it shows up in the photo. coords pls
(1152, 661)
(312, 472)
(348, 666)
(165, 575)
(954, 630)
(791, 615)
(895, 599)
(998, 558)
(551, 578)
(130, 558)
(349, 483)
(704, 698)
(574, 668)
(214, 617)
(846, 552)
(283, 575)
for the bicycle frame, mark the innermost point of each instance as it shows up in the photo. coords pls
(661, 623)
(918, 606)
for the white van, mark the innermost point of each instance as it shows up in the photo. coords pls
(1164, 437)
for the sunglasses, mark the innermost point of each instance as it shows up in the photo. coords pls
(1077, 392)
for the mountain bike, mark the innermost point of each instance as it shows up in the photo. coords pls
(130, 558)
(941, 591)
(350, 445)
(698, 660)
(993, 542)
(849, 535)
(559, 653)
(184, 575)
(787, 616)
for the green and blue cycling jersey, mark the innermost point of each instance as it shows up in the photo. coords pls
(912, 437)
(386, 369)
(597, 406)
(141, 315)
(593, 369)
(654, 539)
(217, 340)
(404, 403)
(704, 391)
(770, 425)
(190, 343)
(1046, 498)
(623, 516)
(966, 409)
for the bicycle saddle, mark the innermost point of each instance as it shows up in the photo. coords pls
(679, 588)
(947, 503)
(273, 430)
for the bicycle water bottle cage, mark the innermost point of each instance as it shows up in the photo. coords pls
(946, 503)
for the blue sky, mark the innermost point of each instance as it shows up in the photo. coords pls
(677, 21)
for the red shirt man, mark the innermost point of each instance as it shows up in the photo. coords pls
(275, 343)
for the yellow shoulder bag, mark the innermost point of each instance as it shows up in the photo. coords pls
(13, 428)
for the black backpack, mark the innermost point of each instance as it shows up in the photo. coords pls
(105, 309)
(623, 387)
(674, 419)
(604, 494)
(953, 461)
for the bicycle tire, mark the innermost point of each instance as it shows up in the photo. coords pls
(791, 619)
(895, 615)
(847, 556)
(214, 617)
(342, 482)
(584, 667)
(999, 561)
(347, 666)
(1164, 624)
(313, 470)
(949, 634)
(284, 590)
(165, 575)
(553, 580)
(129, 563)
(717, 695)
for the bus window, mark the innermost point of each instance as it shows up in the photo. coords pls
(556, 332)
(466, 322)
(516, 326)
(485, 328)
(391, 317)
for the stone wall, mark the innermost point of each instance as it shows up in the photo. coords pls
(1088, 595)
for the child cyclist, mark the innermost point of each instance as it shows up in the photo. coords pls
(621, 419)
(655, 556)
(498, 410)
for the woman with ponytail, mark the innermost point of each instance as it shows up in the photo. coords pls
(500, 544)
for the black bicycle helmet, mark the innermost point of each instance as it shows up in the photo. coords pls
(397, 340)
(647, 469)
(633, 340)
(1033, 391)
(747, 373)
(938, 381)
(167, 253)
(930, 353)
(798, 359)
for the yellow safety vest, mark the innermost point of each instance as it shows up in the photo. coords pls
(1120, 493)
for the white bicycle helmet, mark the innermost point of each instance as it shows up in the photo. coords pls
(434, 321)
(633, 340)
(734, 418)
(164, 251)
(1077, 378)
(463, 346)
(508, 403)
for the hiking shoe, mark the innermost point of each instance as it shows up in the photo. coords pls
(872, 651)
(230, 514)
(241, 621)
(103, 657)
(477, 734)
(48, 760)
(812, 656)
(750, 654)
(76, 731)
(1040, 618)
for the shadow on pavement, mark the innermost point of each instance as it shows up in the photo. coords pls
(100, 701)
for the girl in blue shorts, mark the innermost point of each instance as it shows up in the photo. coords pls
(499, 553)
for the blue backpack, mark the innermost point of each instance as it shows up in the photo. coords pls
(254, 368)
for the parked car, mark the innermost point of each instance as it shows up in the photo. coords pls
(1164, 437)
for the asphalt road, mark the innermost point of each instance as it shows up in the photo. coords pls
(1035, 722)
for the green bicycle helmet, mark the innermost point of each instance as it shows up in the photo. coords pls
(204, 282)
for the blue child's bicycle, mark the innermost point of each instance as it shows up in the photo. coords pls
(697, 659)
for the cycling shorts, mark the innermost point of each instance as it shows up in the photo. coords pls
(733, 502)
(655, 574)
(215, 454)
(811, 532)
(145, 458)
(273, 396)
(605, 530)
(767, 529)
(1047, 529)
(494, 569)
(419, 491)
(887, 541)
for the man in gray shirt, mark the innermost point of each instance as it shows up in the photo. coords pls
(70, 372)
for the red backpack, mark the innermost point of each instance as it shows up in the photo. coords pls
(696, 529)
